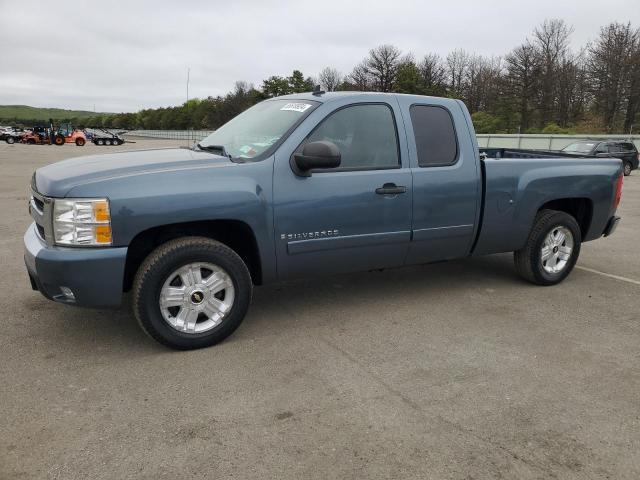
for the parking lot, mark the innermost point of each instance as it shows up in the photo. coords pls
(454, 370)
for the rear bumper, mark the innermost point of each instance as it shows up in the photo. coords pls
(612, 224)
(93, 275)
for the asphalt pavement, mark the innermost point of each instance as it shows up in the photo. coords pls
(455, 370)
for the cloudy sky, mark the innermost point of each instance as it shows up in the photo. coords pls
(77, 55)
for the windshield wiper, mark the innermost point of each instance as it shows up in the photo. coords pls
(215, 149)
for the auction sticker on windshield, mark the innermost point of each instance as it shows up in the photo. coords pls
(296, 107)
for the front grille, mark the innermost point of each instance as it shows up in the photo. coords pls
(38, 203)
(40, 209)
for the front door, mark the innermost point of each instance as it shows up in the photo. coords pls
(354, 217)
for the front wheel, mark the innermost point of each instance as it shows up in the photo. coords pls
(80, 141)
(191, 292)
(552, 248)
(627, 169)
(11, 140)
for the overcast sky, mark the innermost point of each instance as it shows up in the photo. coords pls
(77, 54)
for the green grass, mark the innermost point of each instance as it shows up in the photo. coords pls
(24, 112)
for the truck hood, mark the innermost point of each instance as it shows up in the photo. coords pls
(57, 179)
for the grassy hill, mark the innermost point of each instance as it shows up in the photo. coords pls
(13, 113)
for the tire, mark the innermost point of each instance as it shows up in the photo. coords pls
(107, 142)
(31, 141)
(627, 169)
(529, 262)
(154, 278)
(11, 140)
(80, 142)
(99, 142)
(59, 140)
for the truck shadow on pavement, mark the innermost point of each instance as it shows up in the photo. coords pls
(278, 308)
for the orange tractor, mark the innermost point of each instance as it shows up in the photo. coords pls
(65, 133)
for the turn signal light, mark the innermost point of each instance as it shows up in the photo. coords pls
(103, 234)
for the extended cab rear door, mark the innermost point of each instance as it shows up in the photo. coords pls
(340, 220)
(446, 178)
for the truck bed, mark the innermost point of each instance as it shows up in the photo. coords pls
(516, 184)
(526, 153)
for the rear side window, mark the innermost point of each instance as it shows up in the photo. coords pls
(629, 146)
(614, 148)
(435, 136)
(602, 148)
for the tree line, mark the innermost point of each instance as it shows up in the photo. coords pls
(540, 86)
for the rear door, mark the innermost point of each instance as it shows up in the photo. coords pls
(340, 220)
(446, 178)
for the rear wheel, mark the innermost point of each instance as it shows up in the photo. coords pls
(31, 141)
(99, 142)
(552, 248)
(191, 293)
(80, 141)
(627, 169)
(11, 140)
(107, 142)
(58, 140)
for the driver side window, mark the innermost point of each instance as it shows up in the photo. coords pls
(365, 135)
(602, 148)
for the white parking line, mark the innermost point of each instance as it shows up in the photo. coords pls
(616, 277)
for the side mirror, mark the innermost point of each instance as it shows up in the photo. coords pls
(314, 155)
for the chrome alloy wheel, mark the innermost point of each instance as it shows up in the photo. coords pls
(556, 249)
(196, 297)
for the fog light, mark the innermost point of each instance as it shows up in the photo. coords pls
(66, 291)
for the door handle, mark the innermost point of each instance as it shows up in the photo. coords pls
(390, 189)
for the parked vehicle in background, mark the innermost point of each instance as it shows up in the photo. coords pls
(11, 135)
(66, 133)
(303, 185)
(102, 136)
(624, 150)
(37, 135)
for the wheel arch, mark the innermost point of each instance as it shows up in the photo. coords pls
(235, 234)
(579, 208)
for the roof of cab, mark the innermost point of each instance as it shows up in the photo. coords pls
(326, 96)
(329, 96)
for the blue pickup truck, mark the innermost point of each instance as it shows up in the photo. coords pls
(302, 185)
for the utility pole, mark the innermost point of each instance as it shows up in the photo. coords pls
(187, 107)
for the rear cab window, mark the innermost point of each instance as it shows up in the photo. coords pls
(435, 135)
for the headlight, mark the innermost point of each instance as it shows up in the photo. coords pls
(84, 222)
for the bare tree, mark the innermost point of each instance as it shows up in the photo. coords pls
(457, 64)
(551, 40)
(382, 66)
(522, 73)
(479, 87)
(433, 73)
(611, 68)
(330, 79)
(633, 96)
(359, 77)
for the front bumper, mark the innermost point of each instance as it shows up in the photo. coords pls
(94, 275)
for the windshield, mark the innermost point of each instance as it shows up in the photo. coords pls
(580, 147)
(257, 129)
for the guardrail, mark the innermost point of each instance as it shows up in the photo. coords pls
(527, 141)
(191, 135)
(543, 142)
